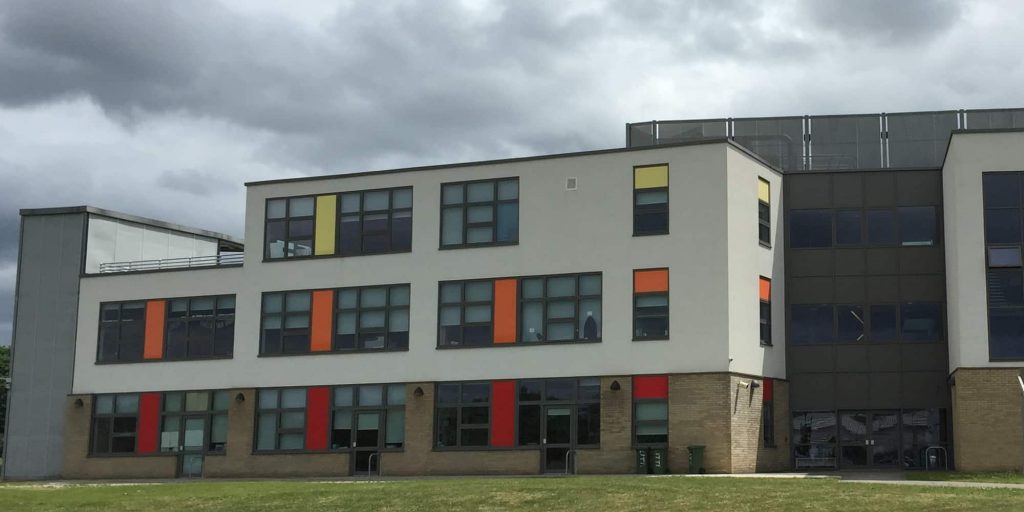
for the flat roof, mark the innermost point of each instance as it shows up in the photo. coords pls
(61, 210)
(715, 140)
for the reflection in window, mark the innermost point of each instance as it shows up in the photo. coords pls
(289, 227)
(200, 327)
(480, 212)
(881, 227)
(812, 323)
(466, 313)
(286, 319)
(372, 318)
(810, 228)
(921, 321)
(122, 331)
(850, 323)
(918, 225)
(376, 221)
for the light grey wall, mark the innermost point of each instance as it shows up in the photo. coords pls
(116, 240)
(561, 231)
(50, 262)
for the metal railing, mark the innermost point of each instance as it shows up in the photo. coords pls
(369, 464)
(570, 456)
(216, 260)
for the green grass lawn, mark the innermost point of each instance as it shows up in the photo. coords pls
(592, 494)
(953, 476)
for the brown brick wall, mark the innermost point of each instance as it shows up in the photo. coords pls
(616, 452)
(987, 424)
(79, 465)
(698, 413)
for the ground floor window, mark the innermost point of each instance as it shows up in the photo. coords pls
(115, 423)
(650, 411)
(194, 421)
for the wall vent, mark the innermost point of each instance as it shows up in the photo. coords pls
(571, 183)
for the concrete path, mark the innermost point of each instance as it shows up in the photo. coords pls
(857, 477)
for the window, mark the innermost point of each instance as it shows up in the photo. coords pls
(561, 308)
(921, 321)
(884, 322)
(814, 439)
(765, 294)
(289, 232)
(122, 331)
(281, 419)
(466, 311)
(918, 226)
(194, 417)
(115, 423)
(768, 413)
(200, 327)
(1003, 224)
(582, 396)
(650, 304)
(480, 213)
(372, 318)
(812, 323)
(650, 411)
(848, 227)
(463, 414)
(764, 212)
(881, 227)
(359, 412)
(376, 221)
(650, 200)
(810, 228)
(847, 323)
(286, 323)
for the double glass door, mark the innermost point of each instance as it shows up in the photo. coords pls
(559, 437)
(869, 439)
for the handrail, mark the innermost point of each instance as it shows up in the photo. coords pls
(369, 464)
(945, 457)
(573, 454)
(213, 260)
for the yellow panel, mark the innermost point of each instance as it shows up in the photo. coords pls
(650, 177)
(763, 190)
(326, 213)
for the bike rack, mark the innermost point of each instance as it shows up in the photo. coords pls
(568, 454)
(945, 456)
(369, 464)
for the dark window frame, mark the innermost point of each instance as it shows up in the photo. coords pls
(867, 335)
(465, 205)
(141, 341)
(386, 409)
(111, 434)
(764, 216)
(388, 308)
(991, 269)
(864, 241)
(288, 219)
(284, 314)
(208, 415)
(578, 401)
(578, 314)
(463, 304)
(216, 318)
(637, 423)
(278, 413)
(660, 208)
(460, 406)
(765, 314)
(637, 314)
(391, 211)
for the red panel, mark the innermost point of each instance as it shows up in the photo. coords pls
(503, 413)
(768, 387)
(149, 422)
(650, 386)
(317, 409)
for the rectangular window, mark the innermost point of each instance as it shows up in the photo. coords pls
(368, 416)
(462, 412)
(811, 324)
(814, 436)
(904, 226)
(1005, 276)
(194, 421)
(847, 323)
(764, 212)
(765, 295)
(650, 411)
(480, 213)
(650, 304)
(810, 228)
(285, 323)
(466, 313)
(122, 332)
(921, 321)
(281, 419)
(560, 308)
(372, 318)
(115, 420)
(290, 227)
(583, 396)
(768, 413)
(200, 327)
(650, 200)
(375, 222)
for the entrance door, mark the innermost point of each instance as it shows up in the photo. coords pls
(190, 456)
(868, 439)
(558, 437)
(367, 443)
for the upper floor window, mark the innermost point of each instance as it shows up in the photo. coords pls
(115, 422)
(480, 213)
(905, 226)
(466, 313)
(1004, 219)
(650, 304)
(855, 323)
(200, 327)
(765, 294)
(764, 212)
(122, 331)
(285, 326)
(561, 308)
(376, 221)
(372, 318)
(290, 227)
(650, 200)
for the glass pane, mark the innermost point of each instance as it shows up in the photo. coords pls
(476, 314)
(197, 401)
(451, 315)
(169, 441)
(398, 320)
(1006, 333)
(272, 302)
(195, 430)
(294, 398)
(1004, 257)
(508, 189)
(1002, 226)
(918, 226)
(296, 321)
(300, 207)
(276, 208)
(396, 394)
(479, 235)
(1001, 190)
(850, 323)
(479, 291)
(371, 319)
(395, 434)
(590, 319)
(590, 285)
(477, 192)
(881, 227)
(172, 402)
(219, 429)
(448, 393)
(399, 296)
(290, 420)
(350, 202)
(371, 395)
(650, 197)
(478, 214)
(373, 297)
(810, 228)
(291, 442)
(178, 308)
(1005, 288)
(226, 305)
(476, 392)
(268, 398)
(648, 411)
(104, 404)
(589, 388)
(451, 194)
(811, 323)
(508, 222)
(533, 321)
(561, 309)
(848, 227)
(343, 396)
(921, 321)
(451, 293)
(377, 200)
(884, 325)
(266, 431)
(127, 404)
(561, 332)
(220, 400)
(451, 226)
(401, 198)
(346, 323)
(561, 287)
(560, 389)
(297, 301)
(347, 298)
(533, 288)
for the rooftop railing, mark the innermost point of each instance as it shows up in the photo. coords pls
(812, 143)
(217, 260)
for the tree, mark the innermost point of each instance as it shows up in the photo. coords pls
(5, 375)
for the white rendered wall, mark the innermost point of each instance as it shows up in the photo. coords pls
(111, 240)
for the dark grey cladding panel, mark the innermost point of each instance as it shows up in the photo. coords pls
(812, 391)
(882, 261)
(883, 289)
(916, 357)
(810, 359)
(852, 358)
(848, 190)
(852, 390)
(850, 262)
(923, 288)
(884, 391)
(922, 260)
(879, 189)
(810, 262)
(918, 188)
(808, 191)
(925, 389)
(850, 290)
(884, 357)
(810, 290)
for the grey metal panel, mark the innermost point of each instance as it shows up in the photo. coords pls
(810, 262)
(922, 260)
(848, 190)
(811, 359)
(812, 391)
(916, 357)
(925, 389)
(50, 264)
(852, 358)
(919, 139)
(810, 290)
(808, 191)
(850, 290)
(883, 289)
(924, 288)
(845, 142)
(640, 134)
(850, 262)
(778, 140)
(884, 391)
(884, 357)
(879, 189)
(918, 188)
(852, 390)
(882, 261)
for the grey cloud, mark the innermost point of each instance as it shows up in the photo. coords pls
(193, 181)
(881, 22)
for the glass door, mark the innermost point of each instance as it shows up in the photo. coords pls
(869, 439)
(854, 441)
(885, 439)
(558, 437)
(193, 436)
(367, 443)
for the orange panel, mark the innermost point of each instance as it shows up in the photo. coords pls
(156, 313)
(505, 311)
(650, 280)
(766, 289)
(320, 326)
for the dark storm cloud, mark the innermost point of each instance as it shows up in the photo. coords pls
(880, 22)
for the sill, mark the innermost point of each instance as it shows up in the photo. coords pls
(651, 338)
(635, 234)
(764, 244)
(335, 352)
(473, 246)
(519, 344)
(1005, 359)
(210, 358)
(766, 345)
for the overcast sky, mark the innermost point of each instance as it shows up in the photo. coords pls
(164, 109)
